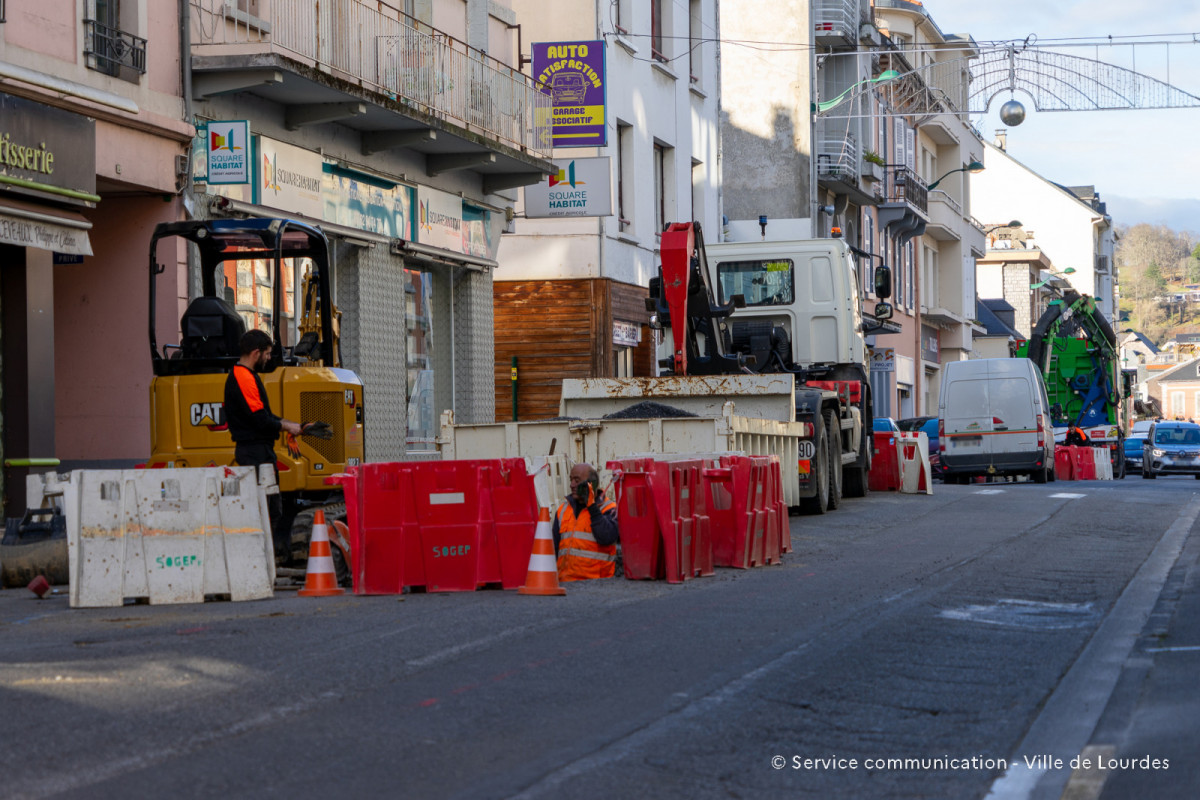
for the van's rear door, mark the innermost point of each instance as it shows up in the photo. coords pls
(1014, 410)
(968, 417)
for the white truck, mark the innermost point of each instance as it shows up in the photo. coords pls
(783, 341)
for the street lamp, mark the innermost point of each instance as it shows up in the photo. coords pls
(883, 77)
(1053, 274)
(1016, 223)
(973, 167)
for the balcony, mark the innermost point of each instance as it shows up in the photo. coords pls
(836, 23)
(110, 50)
(371, 68)
(904, 211)
(837, 158)
(945, 217)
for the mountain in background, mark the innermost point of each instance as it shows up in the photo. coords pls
(1179, 215)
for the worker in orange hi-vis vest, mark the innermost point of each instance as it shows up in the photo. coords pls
(251, 424)
(585, 529)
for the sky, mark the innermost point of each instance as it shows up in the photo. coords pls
(1144, 164)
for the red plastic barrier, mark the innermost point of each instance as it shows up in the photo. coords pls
(664, 518)
(1062, 464)
(441, 525)
(747, 528)
(1083, 463)
(885, 466)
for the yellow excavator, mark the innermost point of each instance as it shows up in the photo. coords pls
(248, 268)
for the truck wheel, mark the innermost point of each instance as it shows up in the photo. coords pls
(819, 503)
(833, 434)
(1039, 475)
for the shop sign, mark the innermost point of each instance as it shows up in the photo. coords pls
(883, 359)
(930, 343)
(582, 187)
(572, 73)
(228, 151)
(45, 235)
(626, 334)
(45, 148)
(481, 232)
(366, 206)
(288, 178)
(439, 219)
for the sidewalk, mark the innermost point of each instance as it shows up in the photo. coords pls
(1154, 713)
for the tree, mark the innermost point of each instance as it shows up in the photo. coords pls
(1154, 281)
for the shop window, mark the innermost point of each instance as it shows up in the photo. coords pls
(418, 320)
(623, 358)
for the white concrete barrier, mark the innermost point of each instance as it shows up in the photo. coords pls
(168, 535)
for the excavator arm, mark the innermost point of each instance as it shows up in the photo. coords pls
(682, 299)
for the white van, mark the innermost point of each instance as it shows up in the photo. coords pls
(995, 420)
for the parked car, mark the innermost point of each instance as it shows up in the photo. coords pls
(1133, 451)
(928, 426)
(996, 420)
(884, 424)
(1172, 448)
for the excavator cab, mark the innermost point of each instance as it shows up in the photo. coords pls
(271, 274)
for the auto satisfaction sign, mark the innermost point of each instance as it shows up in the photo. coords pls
(582, 187)
(572, 73)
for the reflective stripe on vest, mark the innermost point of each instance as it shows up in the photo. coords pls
(592, 554)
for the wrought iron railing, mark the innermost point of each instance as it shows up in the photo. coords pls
(380, 48)
(108, 49)
(906, 186)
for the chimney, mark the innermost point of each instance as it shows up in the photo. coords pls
(1002, 138)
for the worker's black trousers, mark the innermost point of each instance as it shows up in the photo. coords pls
(252, 455)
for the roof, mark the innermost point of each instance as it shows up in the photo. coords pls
(1187, 371)
(991, 323)
(1140, 337)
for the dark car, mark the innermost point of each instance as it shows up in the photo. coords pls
(1133, 452)
(928, 426)
(1172, 448)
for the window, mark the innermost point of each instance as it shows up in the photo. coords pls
(660, 189)
(656, 30)
(1178, 400)
(761, 283)
(697, 190)
(624, 190)
(623, 361)
(620, 10)
(909, 268)
(108, 48)
(930, 297)
(868, 276)
(695, 35)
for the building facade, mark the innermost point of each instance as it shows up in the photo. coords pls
(570, 290)
(403, 130)
(1072, 224)
(93, 144)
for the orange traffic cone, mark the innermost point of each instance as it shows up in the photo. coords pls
(320, 579)
(542, 577)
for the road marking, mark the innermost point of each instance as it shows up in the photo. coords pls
(1071, 712)
(1087, 783)
(1067, 496)
(1181, 649)
(990, 491)
(1025, 614)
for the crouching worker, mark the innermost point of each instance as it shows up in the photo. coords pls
(585, 529)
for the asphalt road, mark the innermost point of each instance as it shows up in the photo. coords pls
(910, 646)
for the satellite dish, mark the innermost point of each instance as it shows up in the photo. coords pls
(1012, 113)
